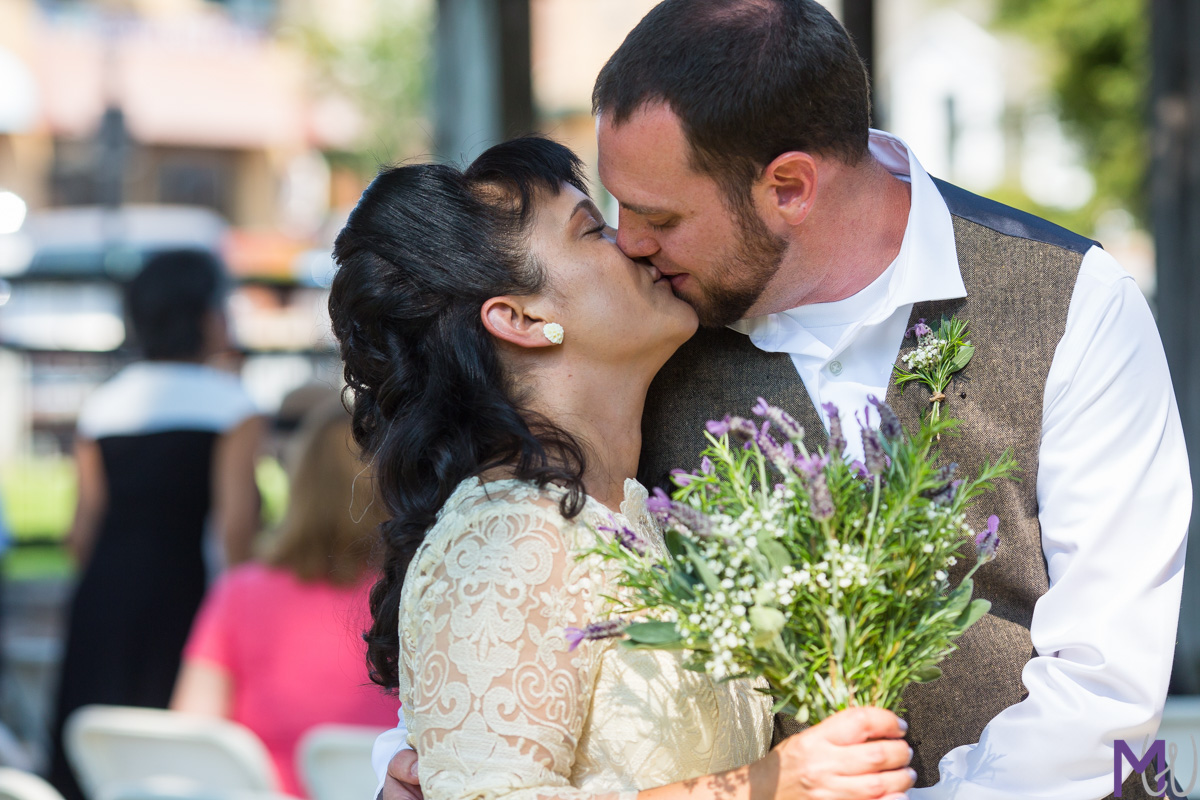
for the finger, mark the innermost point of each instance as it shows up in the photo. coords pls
(880, 755)
(872, 787)
(858, 725)
(403, 767)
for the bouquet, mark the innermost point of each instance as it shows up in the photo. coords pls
(826, 577)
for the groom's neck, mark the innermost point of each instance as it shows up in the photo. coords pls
(852, 235)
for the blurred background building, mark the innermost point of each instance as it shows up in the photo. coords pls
(250, 127)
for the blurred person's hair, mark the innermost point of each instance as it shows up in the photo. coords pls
(748, 80)
(170, 300)
(331, 524)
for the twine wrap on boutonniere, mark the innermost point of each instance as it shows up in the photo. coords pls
(939, 354)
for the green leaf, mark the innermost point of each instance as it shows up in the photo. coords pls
(962, 357)
(927, 674)
(974, 611)
(776, 553)
(631, 645)
(654, 633)
(701, 566)
(959, 598)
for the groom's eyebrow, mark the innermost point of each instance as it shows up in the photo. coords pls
(642, 210)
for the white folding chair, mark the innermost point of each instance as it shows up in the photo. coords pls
(335, 762)
(17, 784)
(111, 747)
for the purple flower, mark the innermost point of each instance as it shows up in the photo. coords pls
(706, 466)
(987, 542)
(742, 429)
(889, 423)
(873, 456)
(608, 629)
(837, 441)
(920, 330)
(681, 477)
(819, 496)
(812, 466)
(658, 503)
(675, 514)
(944, 494)
(718, 427)
(626, 537)
(780, 419)
(860, 469)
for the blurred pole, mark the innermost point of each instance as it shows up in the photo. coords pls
(858, 17)
(483, 87)
(1175, 206)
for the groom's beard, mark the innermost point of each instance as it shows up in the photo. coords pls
(747, 270)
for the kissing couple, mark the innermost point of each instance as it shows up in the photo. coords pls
(514, 363)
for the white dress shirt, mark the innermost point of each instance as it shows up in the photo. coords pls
(1114, 500)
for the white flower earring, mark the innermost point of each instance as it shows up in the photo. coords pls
(553, 331)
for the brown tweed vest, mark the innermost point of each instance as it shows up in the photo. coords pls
(1019, 273)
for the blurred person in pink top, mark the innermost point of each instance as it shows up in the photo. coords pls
(277, 644)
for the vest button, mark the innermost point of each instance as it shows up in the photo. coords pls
(835, 367)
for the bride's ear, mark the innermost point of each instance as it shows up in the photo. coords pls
(510, 319)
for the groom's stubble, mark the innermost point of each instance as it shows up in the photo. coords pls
(754, 260)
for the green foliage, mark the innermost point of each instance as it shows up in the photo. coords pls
(1099, 56)
(385, 73)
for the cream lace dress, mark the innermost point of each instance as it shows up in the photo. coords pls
(496, 704)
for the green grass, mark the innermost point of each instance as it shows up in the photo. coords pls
(38, 497)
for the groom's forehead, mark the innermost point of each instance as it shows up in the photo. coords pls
(647, 150)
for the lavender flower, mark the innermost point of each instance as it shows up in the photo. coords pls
(944, 494)
(889, 423)
(672, 513)
(987, 542)
(718, 427)
(820, 498)
(608, 629)
(706, 466)
(780, 419)
(873, 456)
(681, 477)
(742, 429)
(860, 469)
(920, 330)
(837, 440)
(626, 537)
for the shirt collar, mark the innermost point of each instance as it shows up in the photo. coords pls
(926, 269)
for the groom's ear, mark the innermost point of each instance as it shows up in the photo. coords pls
(514, 320)
(791, 184)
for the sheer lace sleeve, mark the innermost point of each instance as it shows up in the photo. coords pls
(494, 698)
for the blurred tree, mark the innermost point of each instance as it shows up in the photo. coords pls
(384, 72)
(1099, 58)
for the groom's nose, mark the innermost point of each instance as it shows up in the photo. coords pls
(634, 236)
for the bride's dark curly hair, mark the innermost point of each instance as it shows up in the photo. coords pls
(424, 248)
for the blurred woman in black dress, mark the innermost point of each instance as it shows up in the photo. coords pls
(164, 451)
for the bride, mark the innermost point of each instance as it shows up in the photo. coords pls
(498, 347)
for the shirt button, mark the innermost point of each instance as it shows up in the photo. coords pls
(835, 367)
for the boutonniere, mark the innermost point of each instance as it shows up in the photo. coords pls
(938, 355)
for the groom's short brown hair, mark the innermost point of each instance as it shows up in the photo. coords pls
(748, 80)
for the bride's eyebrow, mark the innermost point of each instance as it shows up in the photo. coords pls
(587, 205)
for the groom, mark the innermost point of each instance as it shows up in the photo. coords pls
(735, 136)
